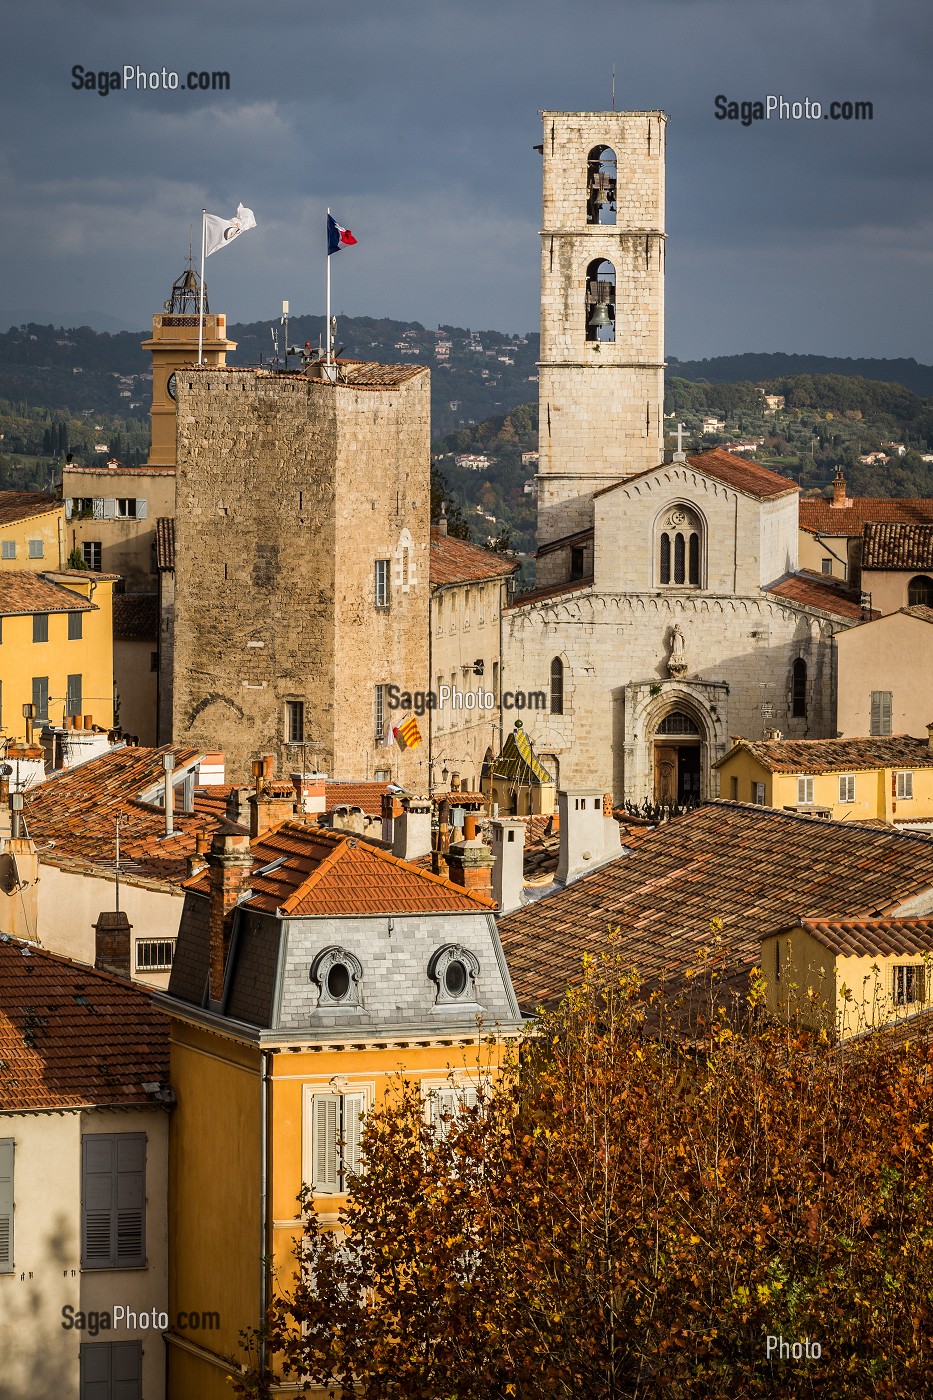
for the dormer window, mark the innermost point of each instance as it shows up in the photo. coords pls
(454, 970)
(337, 974)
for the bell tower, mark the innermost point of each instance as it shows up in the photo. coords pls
(601, 373)
(174, 343)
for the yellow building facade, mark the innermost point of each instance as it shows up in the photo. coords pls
(56, 652)
(877, 779)
(849, 976)
(32, 532)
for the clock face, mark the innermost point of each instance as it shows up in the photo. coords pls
(170, 385)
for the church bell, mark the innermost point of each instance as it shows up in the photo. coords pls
(600, 316)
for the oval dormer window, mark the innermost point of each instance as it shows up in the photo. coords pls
(453, 969)
(337, 973)
(338, 981)
(455, 979)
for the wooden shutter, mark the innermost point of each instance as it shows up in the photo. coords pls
(96, 1360)
(880, 712)
(142, 508)
(354, 1106)
(97, 507)
(110, 508)
(97, 1203)
(69, 507)
(444, 1105)
(130, 1200)
(6, 1205)
(324, 1133)
(111, 1370)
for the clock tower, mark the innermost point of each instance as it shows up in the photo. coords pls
(174, 343)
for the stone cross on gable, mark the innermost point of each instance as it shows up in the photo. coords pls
(680, 439)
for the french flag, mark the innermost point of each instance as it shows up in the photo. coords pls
(337, 236)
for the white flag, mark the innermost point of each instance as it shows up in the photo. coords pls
(219, 232)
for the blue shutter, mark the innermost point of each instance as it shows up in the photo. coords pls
(6, 1205)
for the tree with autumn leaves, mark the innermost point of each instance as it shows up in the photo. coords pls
(631, 1210)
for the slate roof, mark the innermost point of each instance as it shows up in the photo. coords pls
(76, 810)
(23, 592)
(21, 505)
(821, 517)
(135, 617)
(835, 755)
(896, 545)
(856, 938)
(72, 1037)
(752, 867)
(459, 561)
(320, 873)
(813, 590)
(728, 467)
(165, 542)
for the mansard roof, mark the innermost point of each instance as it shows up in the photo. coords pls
(747, 477)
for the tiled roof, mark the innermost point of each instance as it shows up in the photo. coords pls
(745, 476)
(835, 755)
(135, 617)
(366, 796)
(71, 1037)
(565, 542)
(518, 763)
(815, 591)
(165, 542)
(895, 545)
(553, 590)
(918, 610)
(857, 938)
(369, 375)
(101, 470)
(72, 815)
(821, 517)
(326, 873)
(20, 505)
(752, 867)
(23, 592)
(458, 561)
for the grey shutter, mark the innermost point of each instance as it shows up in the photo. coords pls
(354, 1106)
(142, 508)
(6, 1205)
(130, 1199)
(127, 1370)
(97, 507)
(324, 1132)
(69, 507)
(96, 1364)
(110, 508)
(97, 1201)
(880, 712)
(111, 1371)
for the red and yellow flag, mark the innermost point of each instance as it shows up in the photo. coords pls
(407, 734)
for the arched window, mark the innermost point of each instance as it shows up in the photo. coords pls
(454, 969)
(600, 301)
(679, 548)
(665, 564)
(557, 686)
(920, 592)
(798, 693)
(337, 973)
(601, 186)
(677, 723)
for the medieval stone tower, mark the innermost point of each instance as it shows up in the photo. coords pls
(601, 375)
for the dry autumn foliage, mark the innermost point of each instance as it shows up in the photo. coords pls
(632, 1215)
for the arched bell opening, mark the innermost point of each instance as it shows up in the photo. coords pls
(601, 301)
(601, 186)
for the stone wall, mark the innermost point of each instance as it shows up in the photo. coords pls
(465, 627)
(288, 490)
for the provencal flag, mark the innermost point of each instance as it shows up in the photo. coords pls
(407, 734)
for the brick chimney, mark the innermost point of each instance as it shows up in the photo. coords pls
(112, 943)
(469, 862)
(840, 499)
(198, 862)
(273, 804)
(412, 829)
(229, 863)
(508, 848)
(930, 735)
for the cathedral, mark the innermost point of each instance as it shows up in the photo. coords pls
(669, 611)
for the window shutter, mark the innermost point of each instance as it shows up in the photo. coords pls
(444, 1105)
(97, 507)
(354, 1106)
(325, 1130)
(131, 1199)
(97, 1201)
(69, 507)
(110, 508)
(6, 1205)
(111, 1370)
(142, 508)
(127, 1363)
(96, 1358)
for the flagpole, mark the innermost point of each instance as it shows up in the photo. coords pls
(201, 307)
(328, 288)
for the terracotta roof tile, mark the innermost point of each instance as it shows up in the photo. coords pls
(918, 610)
(896, 545)
(24, 592)
(165, 542)
(553, 590)
(366, 796)
(752, 867)
(836, 755)
(71, 1037)
(21, 505)
(135, 617)
(857, 938)
(747, 477)
(820, 516)
(459, 561)
(814, 591)
(320, 873)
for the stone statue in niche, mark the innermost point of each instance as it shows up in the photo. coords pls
(677, 660)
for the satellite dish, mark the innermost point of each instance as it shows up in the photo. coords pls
(6, 770)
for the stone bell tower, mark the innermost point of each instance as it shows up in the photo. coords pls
(174, 343)
(601, 374)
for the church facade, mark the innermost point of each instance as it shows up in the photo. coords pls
(669, 612)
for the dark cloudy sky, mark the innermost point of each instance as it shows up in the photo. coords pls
(415, 120)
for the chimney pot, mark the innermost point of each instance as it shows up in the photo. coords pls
(229, 862)
(840, 499)
(930, 735)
